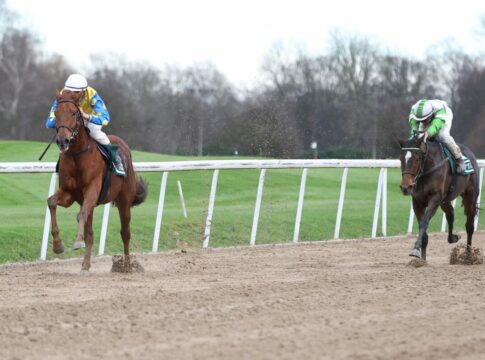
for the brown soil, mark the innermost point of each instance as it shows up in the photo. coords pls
(355, 299)
(460, 256)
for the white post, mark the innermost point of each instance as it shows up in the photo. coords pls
(299, 208)
(104, 229)
(479, 198)
(384, 202)
(378, 203)
(47, 221)
(343, 186)
(161, 201)
(182, 200)
(443, 220)
(259, 195)
(411, 219)
(210, 210)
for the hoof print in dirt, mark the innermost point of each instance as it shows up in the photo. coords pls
(416, 262)
(461, 256)
(120, 265)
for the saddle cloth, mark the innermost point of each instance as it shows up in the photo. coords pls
(469, 169)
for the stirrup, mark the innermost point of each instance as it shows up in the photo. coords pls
(118, 167)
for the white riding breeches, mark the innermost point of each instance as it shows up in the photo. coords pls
(445, 137)
(96, 132)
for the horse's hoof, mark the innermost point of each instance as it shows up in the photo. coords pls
(416, 253)
(84, 272)
(453, 238)
(79, 245)
(58, 249)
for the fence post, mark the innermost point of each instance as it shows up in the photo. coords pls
(343, 186)
(161, 201)
(411, 219)
(384, 202)
(377, 205)
(210, 210)
(299, 208)
(104, 229)
(47, 221)
(257, 207)
(182, 200)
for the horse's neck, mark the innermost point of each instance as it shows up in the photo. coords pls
(434, 154)
(82, 140)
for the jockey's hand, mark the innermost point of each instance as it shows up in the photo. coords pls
(84, 115)
(425, 136)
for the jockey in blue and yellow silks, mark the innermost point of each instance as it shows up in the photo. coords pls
(94, 113)
(91, 104)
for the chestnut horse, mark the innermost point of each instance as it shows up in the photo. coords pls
(428, 178)
(81, 172)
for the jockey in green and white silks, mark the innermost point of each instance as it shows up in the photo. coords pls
(94, 113)
(434, 119)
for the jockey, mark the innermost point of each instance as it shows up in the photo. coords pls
(434, 118)
(94, 113)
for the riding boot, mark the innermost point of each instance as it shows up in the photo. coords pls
(116, 160)
(460, 165)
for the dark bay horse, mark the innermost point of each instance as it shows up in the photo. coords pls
(428, 178)
(81, 172)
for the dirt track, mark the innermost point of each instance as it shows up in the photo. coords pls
(340, 300)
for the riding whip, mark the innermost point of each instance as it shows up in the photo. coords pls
(48, 146)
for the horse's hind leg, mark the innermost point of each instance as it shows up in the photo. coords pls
(450, 218)
(63, 199)
(470, 205)
(125, 218)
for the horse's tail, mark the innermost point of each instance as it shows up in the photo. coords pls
(141, 191)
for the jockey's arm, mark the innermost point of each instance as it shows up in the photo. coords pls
(435, 126)
(100, 115)
(414, 125)
(50, 122)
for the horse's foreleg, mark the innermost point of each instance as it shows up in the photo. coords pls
(63, 199)
(424, 218)
(450, 218)
(88, 232)
(85, 218)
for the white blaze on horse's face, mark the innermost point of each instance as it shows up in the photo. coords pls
(408, 157)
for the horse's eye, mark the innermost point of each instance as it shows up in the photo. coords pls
(74, 113)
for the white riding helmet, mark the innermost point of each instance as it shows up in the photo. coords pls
(422, 110)
(76, 82)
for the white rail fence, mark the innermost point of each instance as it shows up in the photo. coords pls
(217, 165)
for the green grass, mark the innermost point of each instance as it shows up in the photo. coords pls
(23, 205)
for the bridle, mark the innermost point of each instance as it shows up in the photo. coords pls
(75, 131)
(424, 155)
(79, 119)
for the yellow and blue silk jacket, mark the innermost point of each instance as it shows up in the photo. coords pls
(92, 104)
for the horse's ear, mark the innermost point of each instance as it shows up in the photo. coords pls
(401, 142)
(58, 95)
